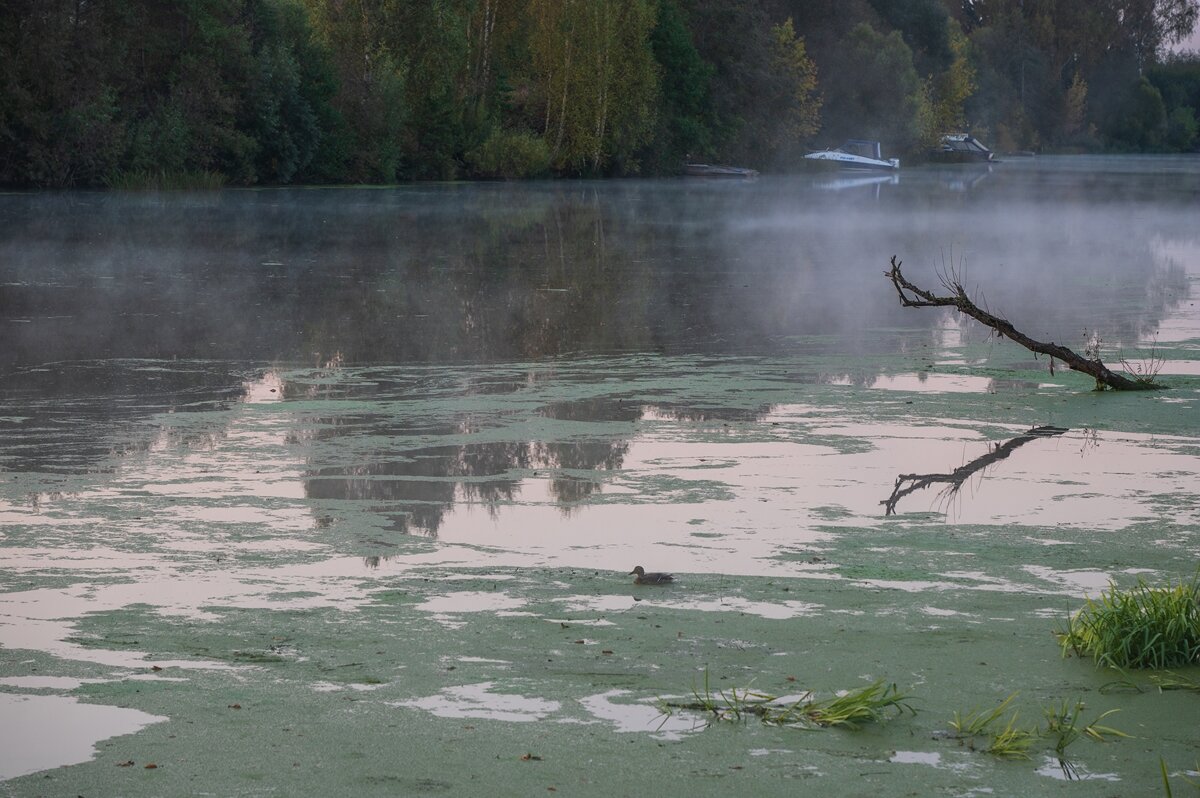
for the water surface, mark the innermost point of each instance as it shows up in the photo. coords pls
(400, 448)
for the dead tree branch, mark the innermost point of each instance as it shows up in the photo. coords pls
(910, 483)
(913, 297)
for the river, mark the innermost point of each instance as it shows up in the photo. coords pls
(336, 490)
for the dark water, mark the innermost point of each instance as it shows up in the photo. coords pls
(497, 272)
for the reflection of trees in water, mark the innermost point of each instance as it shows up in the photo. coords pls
(502, 272)
(467, 274)
(72, 418)
(910, 483)
(418, 486)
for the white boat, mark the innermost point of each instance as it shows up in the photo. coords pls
(853, 154)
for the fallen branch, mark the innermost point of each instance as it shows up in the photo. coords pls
(910, 483)
(913, 297)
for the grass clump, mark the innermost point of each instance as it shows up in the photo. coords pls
(1010, 742)
(983, 730)
(1142, 627)
(850, 710)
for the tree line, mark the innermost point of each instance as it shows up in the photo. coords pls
(209, 92)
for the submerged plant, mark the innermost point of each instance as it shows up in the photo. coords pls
(976, 722)
(1012, 742)
(851, 709)
(1142, 627)
(1162, 764)
(1009, 743)
(1063, 726)
(864, 705)
(1175, 681)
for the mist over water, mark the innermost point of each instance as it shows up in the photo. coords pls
(494, 272)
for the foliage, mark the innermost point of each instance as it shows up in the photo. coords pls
(850, 710)
(685, 123)
(798, 103)
(1063, 726)
(873, 92)
(1178, 81)
(277, 91)
(594, 79)
(1142, 627)
(948, 91)
(371, 86)
(1140, 121)
(509, 155)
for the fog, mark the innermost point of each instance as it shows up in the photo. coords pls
(496, 272)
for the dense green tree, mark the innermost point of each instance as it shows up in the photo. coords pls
(949, 89)
(1140, 121)
(371, 85)
(923, 24)
(595, 80)
(1178, 82)
(794, 94)
(763, 99)
(1016, 88)
(874, 92)
(133, 92)
(92, 92)
(685, 122)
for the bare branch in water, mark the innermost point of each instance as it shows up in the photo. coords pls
(913, 297)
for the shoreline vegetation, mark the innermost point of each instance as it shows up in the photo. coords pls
(137, 94)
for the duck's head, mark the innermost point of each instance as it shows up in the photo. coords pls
(639, 570)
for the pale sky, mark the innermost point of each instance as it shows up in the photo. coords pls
(1190, 43)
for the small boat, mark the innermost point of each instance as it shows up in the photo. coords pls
(853, 154)
(708, 170)
(961, 148)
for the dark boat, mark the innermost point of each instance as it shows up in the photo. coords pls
(961, 148)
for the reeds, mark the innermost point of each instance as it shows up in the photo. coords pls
(980, 730)
(1142, 627)
(1162, 764)
(850, 709)
(1010, 742)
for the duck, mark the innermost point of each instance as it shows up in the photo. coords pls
(644, 578)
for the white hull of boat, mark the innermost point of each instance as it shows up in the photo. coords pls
(836, 159)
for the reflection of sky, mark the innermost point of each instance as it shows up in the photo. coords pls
(41, 731)
(1184, 324)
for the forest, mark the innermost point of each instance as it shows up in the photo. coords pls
(204, 93)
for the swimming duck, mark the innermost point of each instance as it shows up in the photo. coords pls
(644, 578)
